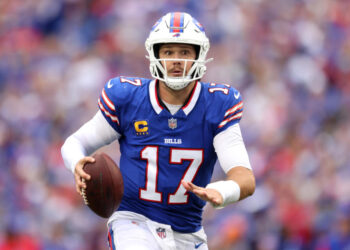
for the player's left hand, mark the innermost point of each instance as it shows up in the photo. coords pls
(206, 194)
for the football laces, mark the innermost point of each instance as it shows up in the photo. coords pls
(83, 194)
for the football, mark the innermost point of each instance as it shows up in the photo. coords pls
(104, 190)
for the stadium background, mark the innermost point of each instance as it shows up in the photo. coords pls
(289, 58)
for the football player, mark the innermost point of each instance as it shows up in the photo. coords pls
(171, 130)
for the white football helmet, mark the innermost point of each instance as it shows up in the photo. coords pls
(177, 27)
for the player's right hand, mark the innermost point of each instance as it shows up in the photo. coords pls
(206, 194)
(80, 175)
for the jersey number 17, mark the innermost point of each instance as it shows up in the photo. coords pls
(177, 156)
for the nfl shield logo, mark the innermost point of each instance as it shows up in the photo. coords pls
(172, 123)
(161, 232)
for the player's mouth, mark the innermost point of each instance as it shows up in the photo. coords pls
(176, 73)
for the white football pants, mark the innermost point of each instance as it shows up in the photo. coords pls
(132, 231)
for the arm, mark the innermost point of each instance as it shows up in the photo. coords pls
(245, 179)
(92, 135)
(233, 158)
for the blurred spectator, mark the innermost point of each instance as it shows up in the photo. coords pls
(13, 240)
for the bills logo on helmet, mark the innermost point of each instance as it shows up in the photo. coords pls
(156, 24)
(199, 26)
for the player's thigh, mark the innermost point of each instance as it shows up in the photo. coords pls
(130, 235)
(197, 240)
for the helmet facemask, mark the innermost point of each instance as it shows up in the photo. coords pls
(158, 68)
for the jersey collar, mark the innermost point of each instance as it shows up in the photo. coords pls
(187, 108)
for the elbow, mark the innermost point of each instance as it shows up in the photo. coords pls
(248, 186)
(245, 179)
(252, 185)
(65, 148)
(65, 153)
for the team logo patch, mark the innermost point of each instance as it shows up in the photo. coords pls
(156, 24)
(199, 26)
(161, 232)
(172, 123)
(141, 127)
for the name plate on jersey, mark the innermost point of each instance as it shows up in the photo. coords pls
(172, 141)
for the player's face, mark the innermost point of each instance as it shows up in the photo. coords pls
(175, 68)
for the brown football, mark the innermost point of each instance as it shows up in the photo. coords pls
(104, 191)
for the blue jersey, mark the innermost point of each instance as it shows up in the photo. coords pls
(159, 149)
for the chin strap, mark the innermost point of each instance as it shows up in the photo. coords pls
(177, 83)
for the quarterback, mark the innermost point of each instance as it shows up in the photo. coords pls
(171, 130)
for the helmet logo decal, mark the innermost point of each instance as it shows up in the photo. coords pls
(156, 24)
(176, 35)
(177, 22)
(199, 26)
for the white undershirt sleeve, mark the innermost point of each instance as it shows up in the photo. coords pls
(230, 149)
(87, 139)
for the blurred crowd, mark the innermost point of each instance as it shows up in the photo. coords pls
(290, 59)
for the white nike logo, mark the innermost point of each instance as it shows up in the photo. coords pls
(236, 94)
(109, 84)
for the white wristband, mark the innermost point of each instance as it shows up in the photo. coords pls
(229, 190)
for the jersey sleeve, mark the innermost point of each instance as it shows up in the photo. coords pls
(108, 103)
(231, 111)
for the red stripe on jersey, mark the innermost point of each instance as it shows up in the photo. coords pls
(107, 100)
(236, 116)
(110, 239)
(113, 117)
(234, 108)
(156, 94)
(190, 99)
